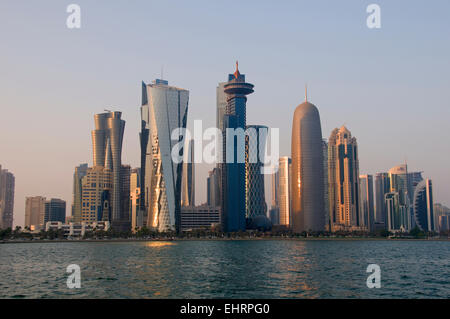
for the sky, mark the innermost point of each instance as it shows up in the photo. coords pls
(389, 86)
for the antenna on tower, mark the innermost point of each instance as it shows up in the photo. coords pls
(162, 72)
(306, 92)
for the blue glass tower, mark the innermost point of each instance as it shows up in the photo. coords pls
(233, 172)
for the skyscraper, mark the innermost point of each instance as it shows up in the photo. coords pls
(325, 185)
(96, 188)
(35, 212)
(213, 197)
(274, 212)
(366, 202)
(55, 211)
(343, 180)
(284, 191)
(221, 104)
(254, 161)
(125, 198)
(308, 211)
(7, 187)
(395, 213)
(164, 108)
(233, 188)
(188, 180)
(382, 187)
(107, 141)
(423, 206)
(135, 193)
(399, 182)
(80, 172)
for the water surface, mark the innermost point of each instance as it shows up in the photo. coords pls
(226, 269)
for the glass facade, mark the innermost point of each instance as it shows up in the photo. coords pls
(164, 108)
(255, 147)
(233, 169)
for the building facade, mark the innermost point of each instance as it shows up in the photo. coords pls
(284, 191)
(96, 191)
(137, 216)
(233, 169)
(254, 161)
(164, 108)
(80, 172)
(274, 212)
(199, 217)
(213, 188)
(55, 210)
(7, 189)
(382, 187)
(107, 141)
(308, 211)
(343, 180)
(423, 206)
(188, 179)
(34, 212)
(367, 211)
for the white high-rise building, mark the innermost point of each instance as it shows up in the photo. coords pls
(164, 109)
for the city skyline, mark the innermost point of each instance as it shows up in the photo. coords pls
(370, 102)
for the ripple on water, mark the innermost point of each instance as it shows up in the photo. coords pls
(226, 269)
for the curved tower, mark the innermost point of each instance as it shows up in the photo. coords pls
(107, 141)
(308, 211)
(164, 109)
(423, 206)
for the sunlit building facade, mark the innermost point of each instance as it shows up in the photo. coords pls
(164, 108)
(35, 212)
(96, 195)
(107, 141)
(137, 218)
(307, 183)
(284, 191)
(343, 180)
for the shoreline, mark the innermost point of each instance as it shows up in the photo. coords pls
(216, 239)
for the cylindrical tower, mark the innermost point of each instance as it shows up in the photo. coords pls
(308, 213)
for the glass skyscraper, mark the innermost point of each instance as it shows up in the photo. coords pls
(164, 108)
(188, 181)
(233, 182)
(107, 141)
(7, 187)
(423, 206)
(255, 198)
(366, 202)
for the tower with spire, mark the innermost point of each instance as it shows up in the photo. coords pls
(233, 172)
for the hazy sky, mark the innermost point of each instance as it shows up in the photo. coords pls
(390, 86)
